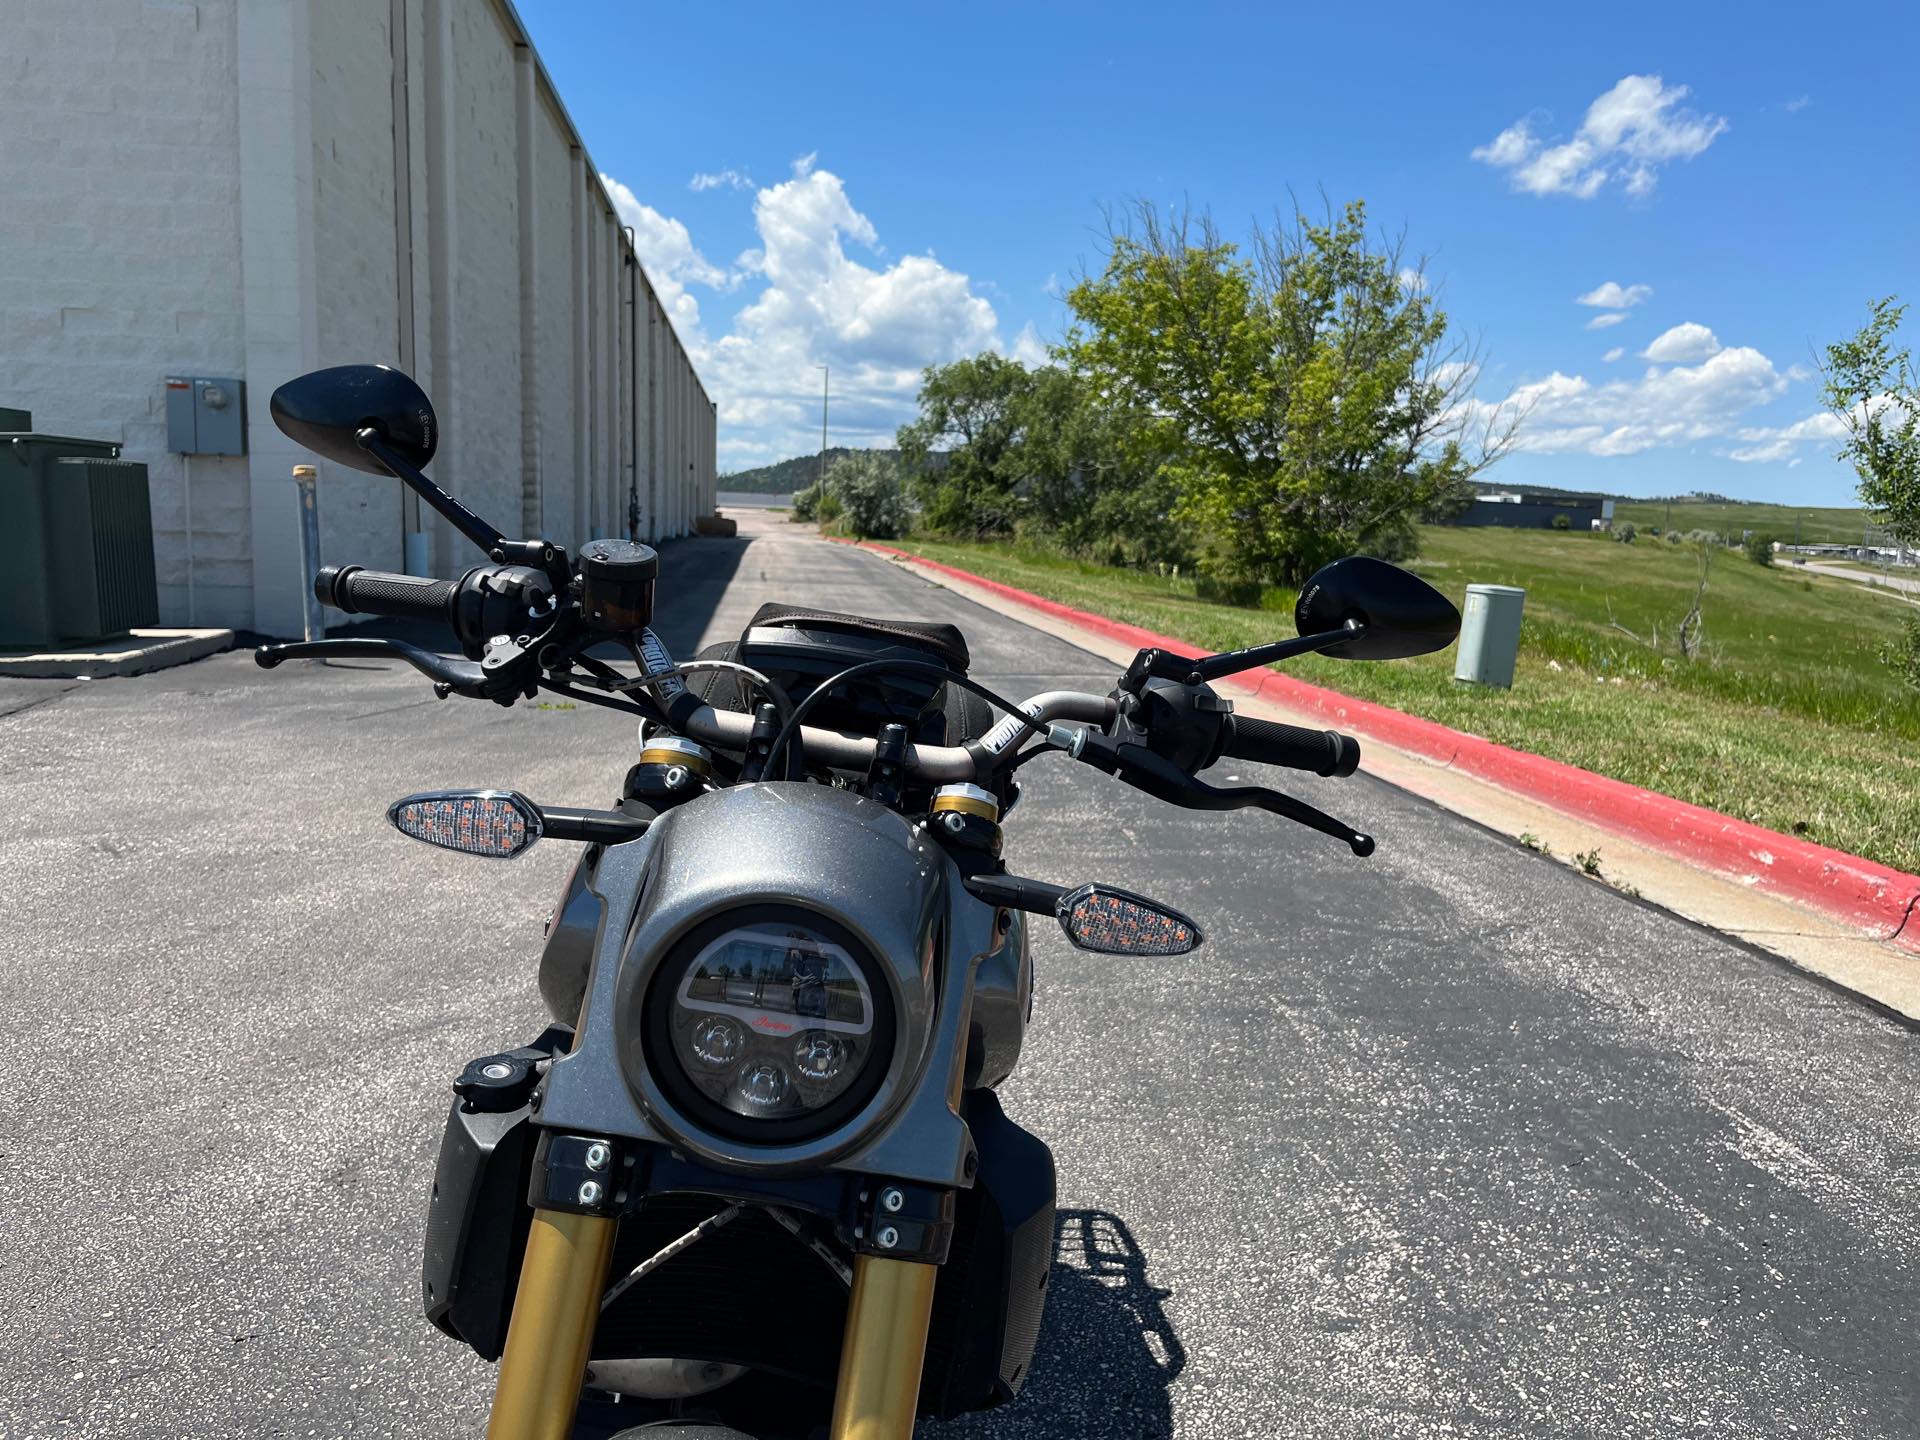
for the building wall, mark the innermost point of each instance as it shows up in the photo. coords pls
(120, 251)
(1528, 515)
(258, 187)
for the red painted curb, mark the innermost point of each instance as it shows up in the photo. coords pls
(1846, 887)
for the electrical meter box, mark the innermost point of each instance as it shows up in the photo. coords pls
(1489, 635)
(206, 415)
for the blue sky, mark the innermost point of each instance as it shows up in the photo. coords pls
(877, 188)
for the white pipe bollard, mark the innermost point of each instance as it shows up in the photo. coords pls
(307, 477)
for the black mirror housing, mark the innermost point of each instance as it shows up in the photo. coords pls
(325, 410)
(1402, 614)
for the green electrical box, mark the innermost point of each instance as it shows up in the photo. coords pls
(80, 528)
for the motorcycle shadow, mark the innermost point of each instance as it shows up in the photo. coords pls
(1107, 1356)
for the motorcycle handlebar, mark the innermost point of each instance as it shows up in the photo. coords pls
(1324, 752)
(360, 591)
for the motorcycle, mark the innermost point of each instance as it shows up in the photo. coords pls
(754, 1180)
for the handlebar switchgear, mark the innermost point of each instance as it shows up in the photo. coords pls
(488, 600)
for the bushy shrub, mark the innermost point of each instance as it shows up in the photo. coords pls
(1759, 548)
(806, 503)
(1902, 656)
(1625, 532)
(866, 486)
(1563, 522)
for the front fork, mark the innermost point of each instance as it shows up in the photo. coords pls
(551, 1335)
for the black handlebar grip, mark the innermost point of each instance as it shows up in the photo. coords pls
(1324, 752)
(375, 592)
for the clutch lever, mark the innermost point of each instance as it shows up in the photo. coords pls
(1164, 780)
(449, 676)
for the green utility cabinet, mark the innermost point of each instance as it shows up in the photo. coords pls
(80, 526)
(1489, 635)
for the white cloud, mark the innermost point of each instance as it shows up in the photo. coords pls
(876, 325)
(1615, 296)
(1412, 279)
(1029, 349)
(1628, 133)
(718, 179)
(1772, 443)
(1770, 450)
(1799, 103)
(1605, 319)
(1511, 146)
(1682, 344)
(1674, 405)
(1614, 354)
(673, 261)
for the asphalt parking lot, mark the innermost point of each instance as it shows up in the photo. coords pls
(1449, 1142)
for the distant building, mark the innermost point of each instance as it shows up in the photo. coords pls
(1516, 510)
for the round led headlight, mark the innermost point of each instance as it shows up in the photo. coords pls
(769, 1023)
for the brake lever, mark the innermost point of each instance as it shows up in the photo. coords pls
(1162, 779)
(455, 677)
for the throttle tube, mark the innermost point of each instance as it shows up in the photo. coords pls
(375, 592)
(1324, 752)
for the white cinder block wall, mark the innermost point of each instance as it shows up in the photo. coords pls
(259, 187)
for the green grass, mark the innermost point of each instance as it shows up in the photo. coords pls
(1788, 719)
(1814, 525)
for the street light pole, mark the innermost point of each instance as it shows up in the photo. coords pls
(826, 375)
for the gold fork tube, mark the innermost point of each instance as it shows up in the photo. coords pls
(551, 1333)
(884, 1347)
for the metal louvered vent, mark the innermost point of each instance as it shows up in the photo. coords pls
(99, 547)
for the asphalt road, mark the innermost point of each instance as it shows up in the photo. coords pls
(1450, 1142)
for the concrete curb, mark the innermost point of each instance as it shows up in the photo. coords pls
(1844, 887)
(136, 653)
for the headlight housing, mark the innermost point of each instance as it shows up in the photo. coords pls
(769, 1023)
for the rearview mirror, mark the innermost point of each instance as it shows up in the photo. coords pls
(326, 409)
(1109, 921)
(1403, 615)
(498, 824)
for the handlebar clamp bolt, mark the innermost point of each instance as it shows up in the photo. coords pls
(590, 1192)
(887, 1238)
(954, 821)
(597, 1156)
(892, 1201)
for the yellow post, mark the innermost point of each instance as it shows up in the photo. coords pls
(551, 1333)
(884, 1347)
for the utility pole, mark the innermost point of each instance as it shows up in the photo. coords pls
(826, 376)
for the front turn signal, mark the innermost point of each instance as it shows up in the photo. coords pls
(496, 823)
(1110, 921)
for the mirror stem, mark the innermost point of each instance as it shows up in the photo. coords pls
(463, 519)
(1233, 661)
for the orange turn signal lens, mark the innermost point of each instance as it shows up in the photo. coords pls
(495, 823)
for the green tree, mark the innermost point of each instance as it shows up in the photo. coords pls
(1871, 389)
(1305, 395)
(957, 450)
(1759, 547)
(866, 485)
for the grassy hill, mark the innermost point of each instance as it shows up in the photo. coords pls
(1816, 525)
(1787, 719)
(786, 476)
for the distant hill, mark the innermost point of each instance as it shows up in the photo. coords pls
(786, 476)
